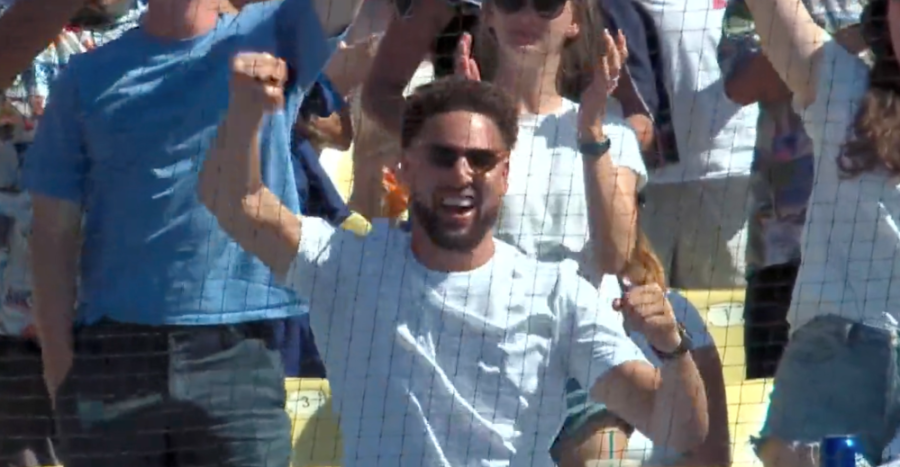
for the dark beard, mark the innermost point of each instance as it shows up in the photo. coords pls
(100, 18)
(464, 241)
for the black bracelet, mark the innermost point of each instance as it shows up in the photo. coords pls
(595, 149)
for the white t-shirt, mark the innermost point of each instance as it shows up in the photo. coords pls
(450, 369)
(545, 212)
(639, 446)
(851, 241)
(715, 136)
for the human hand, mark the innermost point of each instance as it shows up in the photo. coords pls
(464, 63)
(647, 311)
(257, 83)
(592, 108)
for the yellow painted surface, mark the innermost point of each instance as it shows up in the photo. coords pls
(317, 440)
(339, 166)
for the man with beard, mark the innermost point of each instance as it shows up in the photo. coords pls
(444, 346)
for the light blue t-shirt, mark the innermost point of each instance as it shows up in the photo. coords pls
(125, 135)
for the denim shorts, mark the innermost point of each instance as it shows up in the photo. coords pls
(836, 377)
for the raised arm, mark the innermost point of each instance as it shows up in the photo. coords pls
(613, 167)
(791, 40)
(404, 46)
(26, 28)
(231, 185)
(667, 404)
(336, 16)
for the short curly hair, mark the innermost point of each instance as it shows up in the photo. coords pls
(454, 94)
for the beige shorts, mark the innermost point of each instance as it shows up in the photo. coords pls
(699, 231)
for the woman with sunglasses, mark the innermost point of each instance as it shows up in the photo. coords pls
(576, 169)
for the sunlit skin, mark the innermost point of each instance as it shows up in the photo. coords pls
(454, 208)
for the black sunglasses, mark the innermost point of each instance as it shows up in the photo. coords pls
(547, 9)
(480, 160)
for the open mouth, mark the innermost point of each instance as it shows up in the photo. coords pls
(458, 207)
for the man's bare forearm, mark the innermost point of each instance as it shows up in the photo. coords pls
(790, 39)
(404, 46)
(679, 418)
(26, 28)
(56, 243)
(231, 187)
(756, 81)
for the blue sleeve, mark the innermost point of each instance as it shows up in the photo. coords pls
(334, 102)
(56, 164)
(322, 99)
(625, 17)
(302, 42)
(323, 199)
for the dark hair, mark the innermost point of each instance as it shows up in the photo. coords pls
(580, 54)
(456, 93)
(874, 139)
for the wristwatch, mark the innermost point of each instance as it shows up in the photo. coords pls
(595, 149)
(683, 348)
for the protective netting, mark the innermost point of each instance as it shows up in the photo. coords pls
(751, 204)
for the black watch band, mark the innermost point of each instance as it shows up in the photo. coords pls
(683, 348)
(595, 149)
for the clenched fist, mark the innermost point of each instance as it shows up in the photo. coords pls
(647, 311)
(257, 82)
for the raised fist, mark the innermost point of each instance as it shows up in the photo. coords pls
(257, 82)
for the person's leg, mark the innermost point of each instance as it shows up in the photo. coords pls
(766, 329)
(589, 432)
(710, 253)
(229, 382)
(26, 414)
(835, 377)
(112, 408)
(602, 436)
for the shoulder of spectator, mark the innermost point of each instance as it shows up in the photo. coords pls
(357, 224)
(689, 317)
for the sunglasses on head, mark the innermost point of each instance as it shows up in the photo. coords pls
(547, 9)
(480, 160)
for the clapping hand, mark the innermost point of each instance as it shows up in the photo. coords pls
(464, 63)
(592, 108)
(647, 310)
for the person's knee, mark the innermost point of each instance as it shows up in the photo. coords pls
(603, 438)
(774, 452)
